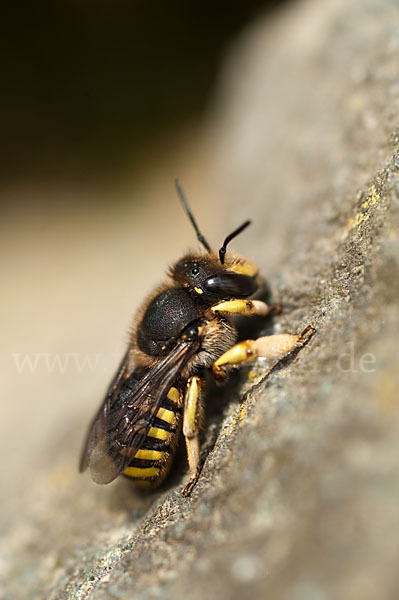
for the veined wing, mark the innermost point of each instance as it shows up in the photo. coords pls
(128, 412)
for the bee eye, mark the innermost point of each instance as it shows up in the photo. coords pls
(195, 271)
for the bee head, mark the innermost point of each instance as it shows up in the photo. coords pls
(214, 276)
(205, 277)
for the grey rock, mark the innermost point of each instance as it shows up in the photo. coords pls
(298, 497)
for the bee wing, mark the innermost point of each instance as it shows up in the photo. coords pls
(128, 412)
(94, 433)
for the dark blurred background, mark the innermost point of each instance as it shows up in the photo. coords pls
(102, 105)
(89, 87)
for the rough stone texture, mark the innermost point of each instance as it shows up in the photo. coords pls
(298, 498)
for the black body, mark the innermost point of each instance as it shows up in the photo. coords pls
(177, 336)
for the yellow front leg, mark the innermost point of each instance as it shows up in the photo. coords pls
(272, 347)
(243, 307)
(191, 423)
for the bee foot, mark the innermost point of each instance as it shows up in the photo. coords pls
(305, 335)
(219, 373)
(190, 486)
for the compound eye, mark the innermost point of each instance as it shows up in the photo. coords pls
(228, 285)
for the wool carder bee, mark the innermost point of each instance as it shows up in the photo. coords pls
(182, 329)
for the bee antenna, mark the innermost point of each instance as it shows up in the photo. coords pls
(232, 235)
(190, 215)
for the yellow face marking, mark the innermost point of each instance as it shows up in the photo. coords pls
(174, 395)
(198, 290)
(166, 415)
(149, 454)
(159, 434)
(245, 268)
(142, 473)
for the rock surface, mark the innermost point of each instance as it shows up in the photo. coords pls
(298, 497)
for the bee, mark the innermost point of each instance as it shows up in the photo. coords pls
(182, 329)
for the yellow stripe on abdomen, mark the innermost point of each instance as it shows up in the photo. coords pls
(174, 395)
(141, 472)
(166, 415)
(159, 434)
(149, 454)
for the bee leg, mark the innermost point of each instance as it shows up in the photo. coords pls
(245, 307)
(271, 347)
(191, 423)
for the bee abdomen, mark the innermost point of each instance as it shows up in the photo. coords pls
(150, 464)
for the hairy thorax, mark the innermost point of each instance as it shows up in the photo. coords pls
(161, 324)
